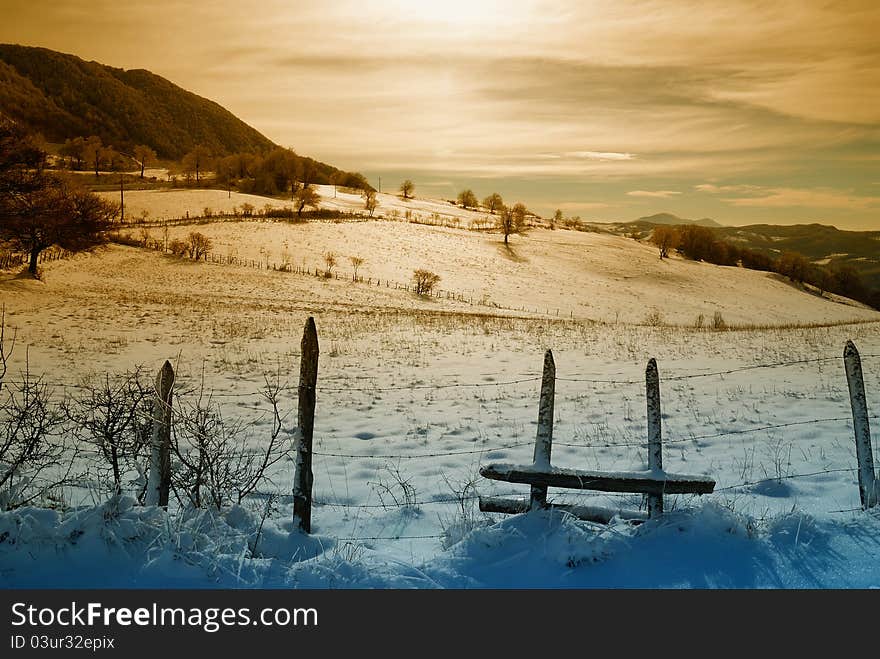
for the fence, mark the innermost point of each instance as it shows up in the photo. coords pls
(308, 389)
(540, 475)
(10, 260)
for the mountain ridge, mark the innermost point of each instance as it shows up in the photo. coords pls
(63, 96)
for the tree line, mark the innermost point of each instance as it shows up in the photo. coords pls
(701, 244)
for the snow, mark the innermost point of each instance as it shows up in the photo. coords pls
(420, 394)
(564, 274)
(119, 545)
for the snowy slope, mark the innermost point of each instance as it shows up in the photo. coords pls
(422, 392)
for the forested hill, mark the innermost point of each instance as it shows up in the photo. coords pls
(63, 96)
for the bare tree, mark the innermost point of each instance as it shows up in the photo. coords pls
(512, 220)
(57, 213)
(493, 202)
(198, 245)
(558, 218)
(425, 281)
(143, 155)
(665, 238)
(370, 201)
(92, 152)
(467, 199)
(305, 196)
(73, 149)
(37, 209)
(113, 159)
(196, 161)
(330, 261)
(356, 262)
(406, 188)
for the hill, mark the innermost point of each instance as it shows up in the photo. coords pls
(669, 218)
(624, 279)
(821, 244)
(63, 96)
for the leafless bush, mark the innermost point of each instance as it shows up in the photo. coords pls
(215, 466)
(425, 281)
(466, 517)
(112, 415)
(6, 347)
(573, 223)
(395, 491)
(654, 318)
(718, 321)
(34, 457)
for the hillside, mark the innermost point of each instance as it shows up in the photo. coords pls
(583, 275)
(63, 96)
(818, 242)
(416, 394)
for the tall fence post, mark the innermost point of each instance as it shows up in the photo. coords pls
(308, 380)
(159, 480)
(544, 438)
(862, 430)
(655, 440)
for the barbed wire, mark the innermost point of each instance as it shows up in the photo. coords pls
(418, 456)
(489, 449)
(784, 477)
(530, 378)
(628, 444)
(727, 433)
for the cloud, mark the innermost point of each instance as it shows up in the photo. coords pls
(653, 194)
(638, 95)
(727, 189)
(583, 205)
(805, 198)
(601, 155)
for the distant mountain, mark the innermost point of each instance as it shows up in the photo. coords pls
(669, 218)
(63, 96)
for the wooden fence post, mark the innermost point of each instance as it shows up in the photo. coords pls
(544, 438)
(655, 441)
(308, 379)
(159, 480)
(862, 430)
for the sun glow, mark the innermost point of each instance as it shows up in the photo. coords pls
(458, 14)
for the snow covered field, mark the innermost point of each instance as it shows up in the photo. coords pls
(415, 395)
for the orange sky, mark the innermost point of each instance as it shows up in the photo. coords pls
(743, 111)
